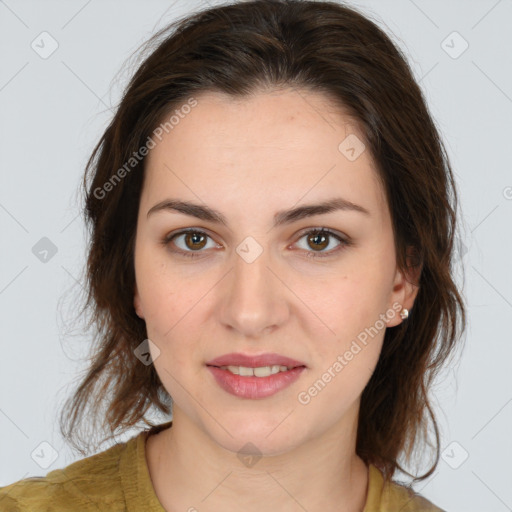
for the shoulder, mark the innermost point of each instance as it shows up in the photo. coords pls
(84, 485)
(391, 496)
(396, 494)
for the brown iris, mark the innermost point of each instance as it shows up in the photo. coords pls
(316, 237)
(194, 237)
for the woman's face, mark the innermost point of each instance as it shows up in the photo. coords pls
(261, 281)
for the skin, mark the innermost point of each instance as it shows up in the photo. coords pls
(249, 159)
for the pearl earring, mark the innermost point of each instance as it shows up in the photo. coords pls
(404, 313)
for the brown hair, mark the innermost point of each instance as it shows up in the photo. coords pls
(240, 49)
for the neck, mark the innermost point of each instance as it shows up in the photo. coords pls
(190, 471)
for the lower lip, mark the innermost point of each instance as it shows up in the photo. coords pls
(255, 387)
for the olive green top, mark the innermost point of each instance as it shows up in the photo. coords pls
(118, 479)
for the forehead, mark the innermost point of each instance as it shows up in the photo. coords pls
(259, 119)
(291, 142)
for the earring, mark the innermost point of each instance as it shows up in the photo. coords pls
(404, 313)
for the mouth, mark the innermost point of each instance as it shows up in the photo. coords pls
(260, 371)
(254, 361)
(255, 377)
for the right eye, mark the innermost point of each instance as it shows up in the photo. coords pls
(192, 242)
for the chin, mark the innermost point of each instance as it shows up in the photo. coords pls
(264, 436)
(256, 445)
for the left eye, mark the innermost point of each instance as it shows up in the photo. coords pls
(320, 239)
(195, 240)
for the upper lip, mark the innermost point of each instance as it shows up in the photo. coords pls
(253, 361)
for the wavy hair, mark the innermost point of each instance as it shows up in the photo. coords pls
(240, 49)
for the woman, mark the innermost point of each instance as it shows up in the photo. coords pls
(272, 219)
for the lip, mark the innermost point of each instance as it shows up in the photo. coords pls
(254, 361)
(254, 387)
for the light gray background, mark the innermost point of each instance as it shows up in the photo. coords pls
(53, 110)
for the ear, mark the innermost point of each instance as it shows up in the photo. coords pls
(405, 287)
(137, 303)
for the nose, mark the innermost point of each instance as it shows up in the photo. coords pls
(254, 298)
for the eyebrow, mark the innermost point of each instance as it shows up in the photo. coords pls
(280, 218)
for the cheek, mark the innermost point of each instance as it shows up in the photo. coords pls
(330, 391)
(342, 367)
(163, 296)
(353, 351)
(347, 304)
(347, 350)
(170, 304)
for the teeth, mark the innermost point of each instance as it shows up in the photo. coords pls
(262, 371)
(245, 372)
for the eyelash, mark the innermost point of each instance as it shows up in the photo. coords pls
(344, 242)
